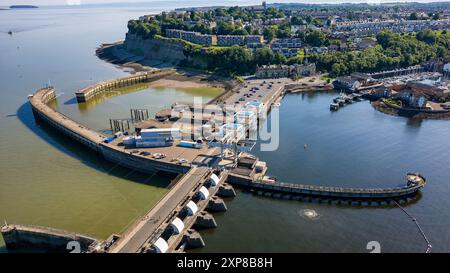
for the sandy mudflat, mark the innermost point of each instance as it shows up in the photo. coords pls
(178, 84)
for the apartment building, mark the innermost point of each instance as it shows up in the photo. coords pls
(193, 37)
(288, 47)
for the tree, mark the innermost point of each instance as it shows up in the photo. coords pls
(239, 31)
(202, 28)
(193, 16)
(296, 20)
(384, 37)
(427, 35)
(338, 69)
(284, 31)
(270, 33)
(329, 22)
(414, 16)
(316, 38)
(249, 29)
(279, 58)
(220, 12)
(132, 26)
(272, 12)
(264, 56)
(238, 58)
(224, 28)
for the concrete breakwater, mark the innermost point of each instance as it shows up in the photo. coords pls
(95, 140)
(39, 104)
(102, 87)
(289, 190)
(44, 238)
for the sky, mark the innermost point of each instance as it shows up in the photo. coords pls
(213, 2)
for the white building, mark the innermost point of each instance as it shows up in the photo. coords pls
(232, 132)
(147, 138)
(248, 119)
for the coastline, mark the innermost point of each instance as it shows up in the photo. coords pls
(182, 78)
(314, 83)
(383, 108)
(192, 78)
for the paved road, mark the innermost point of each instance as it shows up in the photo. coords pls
(134, 239)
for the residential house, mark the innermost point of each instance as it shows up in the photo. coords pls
(347, 84)
(285, 71)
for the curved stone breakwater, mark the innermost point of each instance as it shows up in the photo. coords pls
(415, 183)
(355, 196)
(95, 140)
(102, 87)
(39, 104)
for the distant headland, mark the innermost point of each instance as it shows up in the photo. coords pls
(23, 7)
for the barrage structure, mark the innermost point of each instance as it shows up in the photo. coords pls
(207, 176)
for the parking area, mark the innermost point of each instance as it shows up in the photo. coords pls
(172, 154)
(263, 90)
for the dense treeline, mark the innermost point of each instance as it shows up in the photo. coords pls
(230, 60)
(392, 51)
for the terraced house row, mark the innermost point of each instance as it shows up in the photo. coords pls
(399, 26)
(220, 40)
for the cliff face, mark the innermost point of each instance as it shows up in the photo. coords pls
(155, 49)
(165, 50)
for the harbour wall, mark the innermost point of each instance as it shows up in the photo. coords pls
(39, 104)
(19, 237)
(103, 87)
(93, 139)
(134, 162)
(292, 189)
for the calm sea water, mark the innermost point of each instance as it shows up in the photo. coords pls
(356, 147)
(47, 180)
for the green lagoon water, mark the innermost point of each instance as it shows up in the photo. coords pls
(46, 179)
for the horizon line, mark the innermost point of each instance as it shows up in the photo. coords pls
(325, 2)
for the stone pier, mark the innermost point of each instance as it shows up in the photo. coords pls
(193, 239)
(205, 220)
(216, 204)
